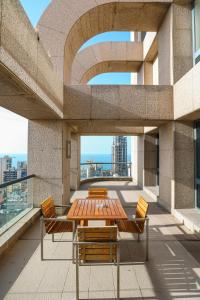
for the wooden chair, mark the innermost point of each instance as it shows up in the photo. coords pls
(97, 246)
(137, 224)
(53, 223)
(97, 193)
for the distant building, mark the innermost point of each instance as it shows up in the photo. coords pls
(9, 175)
(91, 170)
(21, 169)
(119, 156)
(5, 165)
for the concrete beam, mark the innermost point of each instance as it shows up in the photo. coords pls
(106, 57)
(102, 127)
(20, 99)
(187, 96)
(139, 103)
(23, 57)
(150, 46)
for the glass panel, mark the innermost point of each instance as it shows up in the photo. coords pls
(198, 196)
(198, 150)
(15, 201)
(197, 24)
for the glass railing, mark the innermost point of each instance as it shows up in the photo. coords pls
(16, 199)
(105, 170)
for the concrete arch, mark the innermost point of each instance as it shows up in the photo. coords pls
(66, 25)
(106, 57)
(110, 66)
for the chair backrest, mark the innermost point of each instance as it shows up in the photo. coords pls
(104, 251)
(48, 211)
(98, 193)
(141, 212)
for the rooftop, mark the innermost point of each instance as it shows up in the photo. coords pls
(173, 270)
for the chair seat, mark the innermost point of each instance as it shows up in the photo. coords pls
(127, 226)
(58, 227)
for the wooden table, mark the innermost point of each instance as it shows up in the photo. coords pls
(96, 209)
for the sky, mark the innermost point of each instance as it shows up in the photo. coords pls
(14, 129)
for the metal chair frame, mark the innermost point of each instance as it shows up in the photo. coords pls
(76, 244)
(146, 220)
(42, 223)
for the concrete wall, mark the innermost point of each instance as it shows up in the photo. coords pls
(187, 95)
(47, 160)
(145, 74)
(75, 162)
(137, 158)
(176, 165)
(175, 44)
(118, 102)
(165, 67)
(150, 160)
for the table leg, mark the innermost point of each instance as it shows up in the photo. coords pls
(73, 235)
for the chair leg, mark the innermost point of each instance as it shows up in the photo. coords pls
(41, 239)
(147, 240)
(77, 274)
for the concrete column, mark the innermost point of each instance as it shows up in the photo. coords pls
(137, 158)
(175, 44)
(145, 74)
(182, 40)
(176, 165)
(150, 160)
(75, 162)
(47, 141)
(136, 37)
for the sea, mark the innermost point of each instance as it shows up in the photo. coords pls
(100, 158)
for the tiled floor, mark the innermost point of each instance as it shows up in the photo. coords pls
(173, 271)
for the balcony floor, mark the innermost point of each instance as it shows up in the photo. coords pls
(173, 271)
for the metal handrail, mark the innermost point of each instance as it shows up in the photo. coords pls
(3, 185)
(105, 163)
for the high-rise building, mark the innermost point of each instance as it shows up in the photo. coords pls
(21, 169)
(119, 156)
(9, 175)
(5, 165)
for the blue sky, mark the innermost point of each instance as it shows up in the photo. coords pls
(15, 140)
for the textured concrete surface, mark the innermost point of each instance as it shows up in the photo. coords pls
(106, 57)
(106, 127)
(186, 95)
(74, 23)
(25, 59)
(175, 43)
(12, 234)
(176, 172)
(137, 158)
(118, 102)
(75, 161)
(150, 160)
(47, 142)
(150, 46)
(171, 273)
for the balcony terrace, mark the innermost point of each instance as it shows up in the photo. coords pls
(172, 272)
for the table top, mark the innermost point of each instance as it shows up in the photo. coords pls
(96, 209)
